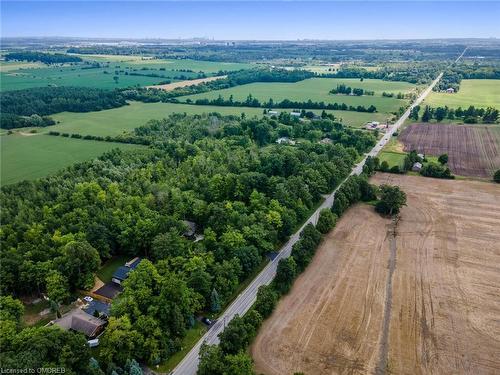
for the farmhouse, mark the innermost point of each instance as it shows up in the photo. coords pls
(122, 272)
(79, 321)
(95, 308)
(450, 90)
(295, 114)
(416, 167)
(273, 113)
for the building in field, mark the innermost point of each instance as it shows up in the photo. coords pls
(450, 90)
(416, 167)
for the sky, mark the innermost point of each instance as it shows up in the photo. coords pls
(251, 20)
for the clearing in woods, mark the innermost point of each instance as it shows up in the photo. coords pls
(442, 313)
(473, 150)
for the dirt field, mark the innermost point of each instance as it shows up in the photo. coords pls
(192, 82)
(437, 313)
(473, 150)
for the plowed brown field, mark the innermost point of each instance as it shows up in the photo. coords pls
(439, 313)
(473, 150)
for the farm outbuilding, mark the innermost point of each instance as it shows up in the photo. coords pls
(416, 167)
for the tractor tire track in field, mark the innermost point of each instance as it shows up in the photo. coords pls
(382, 364)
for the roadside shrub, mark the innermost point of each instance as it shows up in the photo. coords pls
(326, 221)
(267, 298)
(496, 176)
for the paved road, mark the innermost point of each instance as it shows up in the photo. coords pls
(189, 365)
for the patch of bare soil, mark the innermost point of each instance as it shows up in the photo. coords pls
(438, 313)
(191, 82)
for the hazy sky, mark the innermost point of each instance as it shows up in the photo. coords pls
(252, 19)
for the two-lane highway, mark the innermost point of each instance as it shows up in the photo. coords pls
(189, 365)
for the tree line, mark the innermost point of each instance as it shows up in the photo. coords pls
(471, 115)
(46, 58)
(251, 101)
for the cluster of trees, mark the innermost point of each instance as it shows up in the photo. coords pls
(343, 89)
(44, 101)
(251, 101)
(46, 58)
(399, 95)
(212, 170)
(12, 121)
(470, 115)
(436, 170)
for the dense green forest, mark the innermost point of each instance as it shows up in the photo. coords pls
(19, 107)
(46, 58)
(246, 193)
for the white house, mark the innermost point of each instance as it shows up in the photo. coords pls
(285, 140)
(416, 167)
(450, 90)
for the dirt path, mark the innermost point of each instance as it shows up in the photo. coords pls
(386, 321)
(442, 316)
(191, 82)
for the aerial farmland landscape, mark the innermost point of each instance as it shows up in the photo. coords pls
(250, 188)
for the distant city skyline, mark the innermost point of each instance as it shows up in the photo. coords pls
(252, 20)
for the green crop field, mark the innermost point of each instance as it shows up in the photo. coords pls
(19, 75)
(26, 157)
(116, 121)
(134, 61)
(76, 76)
(476, 92)
(317, 89)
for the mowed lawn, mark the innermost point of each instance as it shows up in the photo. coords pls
(477, 92)
(118, 120)
(34, 156)
(317, 90)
